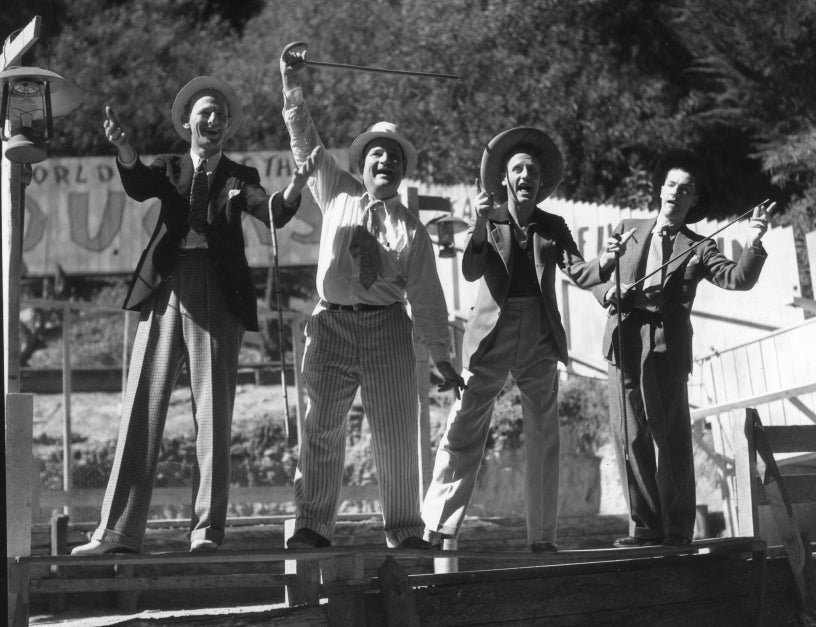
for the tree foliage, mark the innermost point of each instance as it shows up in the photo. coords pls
(616, 82)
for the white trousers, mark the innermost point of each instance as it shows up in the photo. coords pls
(521, 347)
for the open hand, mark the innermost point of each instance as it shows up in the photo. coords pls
(301, 175)
(758, 222)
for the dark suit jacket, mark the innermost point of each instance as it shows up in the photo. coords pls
(492, 266)
(169, 178)
(679, 286)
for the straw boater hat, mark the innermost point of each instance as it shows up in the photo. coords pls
(691, 163)
(197, 85)
(390, 131)
(527, 139)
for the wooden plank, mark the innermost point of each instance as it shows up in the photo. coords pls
(791, 438)
(799, 489)
(642, 592)
(713, 545)
(175, 582)
(53, 499)
(752, 401)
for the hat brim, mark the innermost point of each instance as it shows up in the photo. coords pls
(544, 150)
(363, 139)
(198, 84)
(690, 162)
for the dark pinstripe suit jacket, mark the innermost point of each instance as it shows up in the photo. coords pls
(169, 178)
(679, 286)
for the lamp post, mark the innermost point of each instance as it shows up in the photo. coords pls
(446, 228)
(31, 98)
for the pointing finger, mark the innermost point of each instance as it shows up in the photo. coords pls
(478, 186)
(112, 116)
(627, 236)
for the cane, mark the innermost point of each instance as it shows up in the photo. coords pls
(620, 365)
(281, 345)
(768, 211)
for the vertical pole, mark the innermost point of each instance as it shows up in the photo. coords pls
(125, 354)
(66, 401)
(297, 358)
(423, 374)
(12, 207)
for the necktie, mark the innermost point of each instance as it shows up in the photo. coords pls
(199, 199)
(364, 245)
(659, 250)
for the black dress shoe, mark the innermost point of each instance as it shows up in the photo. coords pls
(544, 546)
(676, 540)
(631, 542)
(414, 542)
(305, 538)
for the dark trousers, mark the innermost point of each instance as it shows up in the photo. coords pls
(658, 478)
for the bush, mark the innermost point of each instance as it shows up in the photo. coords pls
(582, 409)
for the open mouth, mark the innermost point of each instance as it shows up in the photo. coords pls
(210, 133)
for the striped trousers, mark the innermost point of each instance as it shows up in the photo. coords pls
(185, 321)
(372, 351)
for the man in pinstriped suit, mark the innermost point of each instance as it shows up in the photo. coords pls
(373, 253)
(196, 298)
(656, 333)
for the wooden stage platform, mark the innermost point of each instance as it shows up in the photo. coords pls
(732, 581)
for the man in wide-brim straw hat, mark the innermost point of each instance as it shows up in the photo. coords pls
(513, 249)
(374, 255)
(656, 337)
(195, 293)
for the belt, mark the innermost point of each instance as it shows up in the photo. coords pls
(193, 252)
(355, 307)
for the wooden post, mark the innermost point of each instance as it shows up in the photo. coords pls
(306, 588)
(397, 595)
(423, 375)
(447, 564)
(59, 546)
(18, 597)
(19, 459)
(67, 482)
(345, 608)
(125, 354)
(745, 470)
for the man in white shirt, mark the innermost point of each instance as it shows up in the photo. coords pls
(373, 254)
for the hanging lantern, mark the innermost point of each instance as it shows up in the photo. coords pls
(446, 228)
(32, 98)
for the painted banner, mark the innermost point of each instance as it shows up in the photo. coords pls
(78, 217)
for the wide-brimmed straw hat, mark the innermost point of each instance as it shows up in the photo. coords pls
(199, 84)
(688, 161)
(527, 139)
(388, 130)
